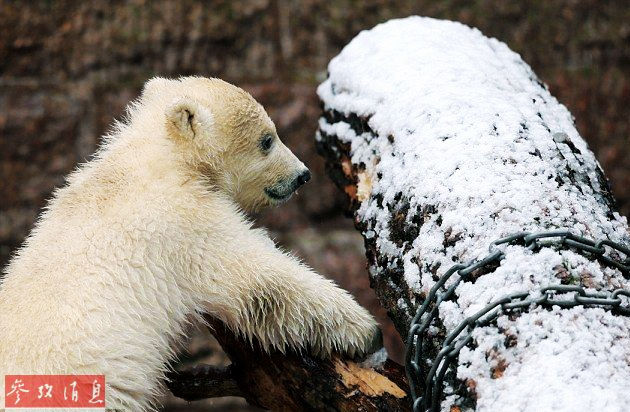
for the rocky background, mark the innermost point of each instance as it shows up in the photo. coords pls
(67, 69)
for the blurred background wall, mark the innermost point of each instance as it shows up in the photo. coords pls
(68, 68)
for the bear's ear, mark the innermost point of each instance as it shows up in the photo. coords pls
(187, 119)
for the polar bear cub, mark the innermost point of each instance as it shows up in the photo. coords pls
(150, 232)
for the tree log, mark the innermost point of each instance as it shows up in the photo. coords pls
(444, 141)
(293, 381)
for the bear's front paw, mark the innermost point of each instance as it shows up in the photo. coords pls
(361, 339)
(376, 343)
(373, 343)
(354, 335)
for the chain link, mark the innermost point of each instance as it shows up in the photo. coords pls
(546, 297)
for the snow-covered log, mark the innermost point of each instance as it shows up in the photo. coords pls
(445, 141)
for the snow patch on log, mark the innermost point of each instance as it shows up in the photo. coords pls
(376, 360)
(457, 144)
(581, 357)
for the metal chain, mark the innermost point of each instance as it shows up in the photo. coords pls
(521, 301)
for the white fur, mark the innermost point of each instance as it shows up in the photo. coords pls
(149, 233)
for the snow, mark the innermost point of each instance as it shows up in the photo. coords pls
(473, 136)
(375, 360)
(578, 371)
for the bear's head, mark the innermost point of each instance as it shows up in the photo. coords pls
(227, 138)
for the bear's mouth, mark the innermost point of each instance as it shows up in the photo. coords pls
(277, 196)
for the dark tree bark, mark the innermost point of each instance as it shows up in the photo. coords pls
(204, 381)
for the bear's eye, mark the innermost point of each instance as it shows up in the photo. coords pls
(265, 142)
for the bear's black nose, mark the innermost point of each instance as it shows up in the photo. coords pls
(303, 177)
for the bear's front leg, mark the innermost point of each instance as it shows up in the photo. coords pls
(262, 292)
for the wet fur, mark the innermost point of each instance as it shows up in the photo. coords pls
(150, 232)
